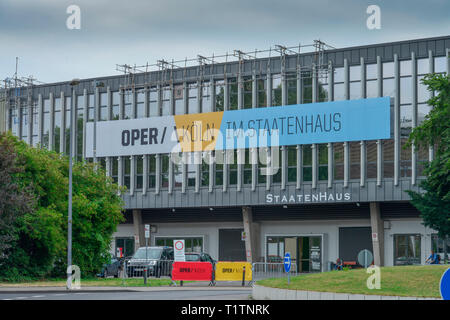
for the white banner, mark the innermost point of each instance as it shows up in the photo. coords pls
(132, 137)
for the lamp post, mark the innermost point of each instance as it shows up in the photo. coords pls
(73, 83)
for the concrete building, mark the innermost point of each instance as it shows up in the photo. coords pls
(328, 200)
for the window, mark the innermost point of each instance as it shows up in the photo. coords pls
(338, 151)
(127, 172)
(405, 68)
(405, 90)
(115, 105)
(323, 89)
(219, 95)
(79, 127)
(422, 159)
(165, 102)
(127, 245)
(307, 163)
(140, 105)
(388, 158)
(233, 92)
(388, 88)
(191, 244)
(218, 168)
(306, 87)
(323, 161)
(35, 127)
(91, 107)
(276, 164)
(139, 182)
(68, 106)
(232, 167)
(441, 247)
(115, 170)
(276, 90)
(206, 97)
(440, 64)
(371, 71)
(355, 90)
(247, 166)
(128, 105)
(262, 93)
(407, 249)
(247, 92)
(57, 129)
(165, 162)
(153, 102)
(178, 170)
(372, 89)
(191, 170)
(103, 106)
(355, 160)
(292, 163)
(262, 165)
(152, 171)
(193, 99)
(355, 73)
(388, 70)
(46, 123)
(24, 110)
(423, 66)
(371, 155)
(205, 173)
(178, 92)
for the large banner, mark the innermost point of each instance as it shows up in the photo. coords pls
(337, 121)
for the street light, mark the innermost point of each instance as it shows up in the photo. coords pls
(72, 83)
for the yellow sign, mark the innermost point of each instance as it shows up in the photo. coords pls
(233, 271)
(198, 132)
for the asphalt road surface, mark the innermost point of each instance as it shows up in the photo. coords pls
(132, 295)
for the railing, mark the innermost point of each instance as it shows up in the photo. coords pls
(265, 270)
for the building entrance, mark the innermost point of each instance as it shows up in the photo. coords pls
(306, 251)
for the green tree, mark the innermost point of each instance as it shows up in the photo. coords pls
(15, 199)
(40, 247)
(434, 202)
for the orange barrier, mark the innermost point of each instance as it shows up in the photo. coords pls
(196, 271)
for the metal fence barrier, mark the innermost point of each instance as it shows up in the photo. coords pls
(266, 270)
(142, 268)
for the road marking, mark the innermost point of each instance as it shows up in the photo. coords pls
(21, 297)
(60, 294)
(6, 299)
(38, 296)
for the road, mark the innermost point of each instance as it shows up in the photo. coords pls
(172, 294)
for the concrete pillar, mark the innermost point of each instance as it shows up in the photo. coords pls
(377, 233)
(251, 229)
(138, 229)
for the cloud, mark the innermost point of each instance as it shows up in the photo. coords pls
(138, 31)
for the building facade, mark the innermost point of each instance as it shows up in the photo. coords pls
(327, 201)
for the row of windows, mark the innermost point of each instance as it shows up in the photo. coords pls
(261, 177)
(199, 99)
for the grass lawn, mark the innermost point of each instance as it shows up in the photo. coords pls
(409, 281)
(93, 282)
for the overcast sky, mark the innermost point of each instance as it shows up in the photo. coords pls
(139, 31)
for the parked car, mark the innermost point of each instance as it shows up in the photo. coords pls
(157, 261)
(199, 256)
(112, 268)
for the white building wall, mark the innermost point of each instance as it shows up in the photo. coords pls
(330, 230)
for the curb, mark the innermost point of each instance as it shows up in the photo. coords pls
(267, 293)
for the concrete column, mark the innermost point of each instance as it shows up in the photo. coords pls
(138, 229)
(396, 121)
(85, 118)
(314, 147)
(414, 117)
(51, 131)
(379, 142)
(377, 233)
(252, 230)
(62, 130)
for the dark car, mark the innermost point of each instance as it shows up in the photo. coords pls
(199, 256)
(113, 268)
(156, 260)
